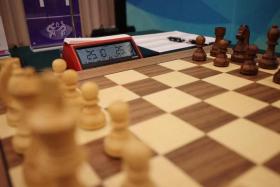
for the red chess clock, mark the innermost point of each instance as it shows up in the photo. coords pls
(84, 53)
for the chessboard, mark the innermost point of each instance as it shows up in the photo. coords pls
(207, 126)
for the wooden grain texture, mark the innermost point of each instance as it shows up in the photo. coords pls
(261, 92)
(204, 155)
(268, 117)
(201, 89)
(200, 72)
(141, 110)
(204, 116)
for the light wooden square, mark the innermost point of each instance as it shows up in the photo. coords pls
(270, 71)
(6, 130)
(222, 69)
(109, 95)
(269, 82)
(162, 172)
(235, 103)
(227, 81)
(175, 79)
(171, 99)
(125, 77)
(257, 177)
(177, 64)
(166, 133)
(251, 140)
(276, 104)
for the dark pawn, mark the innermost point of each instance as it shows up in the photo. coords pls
(199, 54)
(269, 58)
(221, 59)
(220, 34)
(249, 66)
(239, 51)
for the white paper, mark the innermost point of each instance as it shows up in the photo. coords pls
(160, 42)
(83, 40)
(3, 41)
(42, 3)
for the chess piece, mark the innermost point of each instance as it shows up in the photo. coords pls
(136, 158)
(120, 135)
(58, 67)
(199, 54)
(269, 58)
(239, 51)
(221, 59)
(220, 34)
(24, 88)
(72, 96)
(54, 157)
(276, 77)
(249, 66)
(91, 117)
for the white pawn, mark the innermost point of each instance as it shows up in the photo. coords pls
(59, 66)
(91, 117)
(136, 158)
(120, 135)
(72, 96)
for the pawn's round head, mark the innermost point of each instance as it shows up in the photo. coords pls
(252, 49)
(118, 111)
(59, 65)
(70, 77)
(223, 44)
(89, 90)
(200, 40)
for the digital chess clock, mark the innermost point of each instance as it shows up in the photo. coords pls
(84, 53)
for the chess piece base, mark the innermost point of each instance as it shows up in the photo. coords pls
(239, 58)
(113, 146)
(92, 121)
(220, 62)
(199, 56)
(267, 63)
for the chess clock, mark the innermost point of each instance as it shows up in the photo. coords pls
(85, 53)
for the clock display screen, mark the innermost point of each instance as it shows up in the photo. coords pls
(105, 54)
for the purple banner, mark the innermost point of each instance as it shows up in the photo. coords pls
(50, 21)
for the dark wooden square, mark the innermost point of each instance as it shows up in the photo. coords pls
(201, 89)
(274, 163)
(209, 162)
(268, 117)
(141, 110)
(153, 70)
(102, 82)
(259, 76)
(145, 87)
(200, 72)
(103, 165)
(204, 116)
(261, 92)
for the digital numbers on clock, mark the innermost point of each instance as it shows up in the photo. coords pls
(99, 54)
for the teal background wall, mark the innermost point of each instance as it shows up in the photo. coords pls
(202, 16)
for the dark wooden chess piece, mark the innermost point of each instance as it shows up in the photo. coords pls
(276, 77)
(220, 34)
(221, 59)
(239, 51)
(249, 66)
(199, 54)
(269, 58)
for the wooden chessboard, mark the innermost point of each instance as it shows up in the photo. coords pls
(207, 126)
